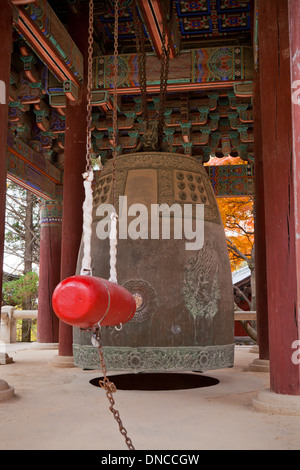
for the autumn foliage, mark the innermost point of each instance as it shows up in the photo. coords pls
(238, 221)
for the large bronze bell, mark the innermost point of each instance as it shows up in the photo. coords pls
(184, 319)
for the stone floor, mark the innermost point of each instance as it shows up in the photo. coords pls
(57, 408)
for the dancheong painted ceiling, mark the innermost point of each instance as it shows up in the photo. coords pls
(208, 111)
(207, 21)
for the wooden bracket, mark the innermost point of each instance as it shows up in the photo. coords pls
(70, 90)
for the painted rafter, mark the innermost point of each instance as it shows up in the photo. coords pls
(22, 2)
(28, 168)
(152, 12)
(50, 52)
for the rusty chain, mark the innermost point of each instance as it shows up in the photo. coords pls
(115, 99)
(110, 388)
(89, 87)
(164, 72)
(140, 45)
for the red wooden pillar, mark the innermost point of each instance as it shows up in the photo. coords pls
(74, 167)
(6, 29)
(49, 270)
(260, 235)
(278, 28)
(294, 31)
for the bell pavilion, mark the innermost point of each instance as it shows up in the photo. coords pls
(187, 81)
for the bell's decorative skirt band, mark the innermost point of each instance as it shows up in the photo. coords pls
(149, 359)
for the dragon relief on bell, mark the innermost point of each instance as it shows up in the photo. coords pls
(201, 290)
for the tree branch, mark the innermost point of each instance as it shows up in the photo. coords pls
(243, 295)
(249, 329)
(234, 248)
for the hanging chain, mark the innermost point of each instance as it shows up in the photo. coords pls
(106, 384)
(110, 388)
(88, 175)
(164, 73)
(140, 45)
(115, 98)
(89, 88)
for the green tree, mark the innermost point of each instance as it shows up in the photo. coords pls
(21, 250)
(22, 293)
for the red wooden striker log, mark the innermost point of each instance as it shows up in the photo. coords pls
(84, 301)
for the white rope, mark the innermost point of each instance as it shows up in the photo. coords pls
(86, 264)
(113, 248)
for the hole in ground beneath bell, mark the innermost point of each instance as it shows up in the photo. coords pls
(158, 381)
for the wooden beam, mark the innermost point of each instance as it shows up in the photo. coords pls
(46, 50)
(153, 13)
(22, 2)
(192, 70)
(176, 87)
(30, 170)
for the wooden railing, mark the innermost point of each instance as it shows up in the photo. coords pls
(8, 323)
(245, 315)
